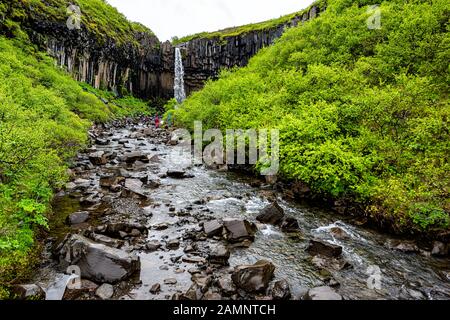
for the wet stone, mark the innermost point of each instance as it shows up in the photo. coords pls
(28, 292)
(219, 255)
(78, 218)
(213, 228)
(155, 289)
(318, 247)
(170, 281)
(105, 291)
(254, 278)
(323, 293)
(281, 290)
(153, 246)
(272, 214)
(239, 230)
(173, 244)
(339, 233)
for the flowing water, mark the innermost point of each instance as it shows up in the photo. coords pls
(180, 94)
(209, 193)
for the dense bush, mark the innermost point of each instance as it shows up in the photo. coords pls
(44, 117)
(98, 17)
(363, 113)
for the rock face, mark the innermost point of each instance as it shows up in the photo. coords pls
(98, 262)
(253, 278)
(145, 67)
(205, 57)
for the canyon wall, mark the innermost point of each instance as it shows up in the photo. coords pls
(205, 57)
(145, 68)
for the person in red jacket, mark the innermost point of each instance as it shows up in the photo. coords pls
(157, 121)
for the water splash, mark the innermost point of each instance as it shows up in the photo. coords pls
(180, 94)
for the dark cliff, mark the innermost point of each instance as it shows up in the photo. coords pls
(205, 56)
(142, 65)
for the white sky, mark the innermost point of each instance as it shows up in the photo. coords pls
(168, 18)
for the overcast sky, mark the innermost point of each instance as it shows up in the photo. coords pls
(168, 18)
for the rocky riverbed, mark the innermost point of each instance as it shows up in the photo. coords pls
(139, 221)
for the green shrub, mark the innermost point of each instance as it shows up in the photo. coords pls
(362, 113)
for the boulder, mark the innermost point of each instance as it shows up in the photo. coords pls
(281, 290)
(253, 278)
(155, 289)
(173, 244)
(213, 228)
(439, 249)
(110, 181)
(323, 293)
(318, 247)
(105, 291)
(115, 229)
(219, 255)
(170, 281)
(289, 224)
(78, 217)
(403, 246)
(176, 173)
(98, 158)
(28, 292)
(153, 246)
(272, 214)
(98, 262)
(226, 285)
(239, 230)
(132, 157)
(339, 233)
(101, 142)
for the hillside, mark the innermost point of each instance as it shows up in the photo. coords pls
(363, 113)
(260, 26)
(44, 118)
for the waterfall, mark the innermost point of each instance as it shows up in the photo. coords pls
(180, 94)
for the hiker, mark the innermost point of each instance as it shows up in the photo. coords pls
(157, 121)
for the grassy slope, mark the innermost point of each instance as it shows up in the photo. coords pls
(363, 113)
(98, 17)
(44, 117)
(235, 31)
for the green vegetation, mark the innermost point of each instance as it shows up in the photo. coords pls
(235, 31)
(363, 114)
(44, 118)
(98, 17)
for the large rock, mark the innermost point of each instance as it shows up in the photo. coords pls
(98, 158)
(323, 293)
(132, 157)
(403, 246)
(253, 278)
(116, 230)
(28, 292)
(105, 291)
(219, 255)
(78, 218)
(440, 249)
(318, 247)
(281, 290)
(272, 214)
(289, 224)
(176, 173)
(213, 228)
(98, 262)
(239, 230)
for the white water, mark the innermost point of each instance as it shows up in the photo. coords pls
(180, 94)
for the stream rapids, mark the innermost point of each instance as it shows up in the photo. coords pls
(134, 178)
